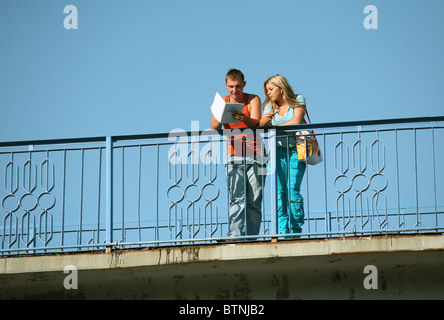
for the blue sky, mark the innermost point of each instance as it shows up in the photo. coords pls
(149, 66)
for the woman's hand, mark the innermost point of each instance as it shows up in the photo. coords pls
(266, 118)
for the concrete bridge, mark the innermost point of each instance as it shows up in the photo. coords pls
(116, 218)
(401, 267)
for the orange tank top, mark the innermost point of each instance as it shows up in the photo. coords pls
(243, 145)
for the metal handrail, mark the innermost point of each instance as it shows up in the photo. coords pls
(127, 210)
(206, 132)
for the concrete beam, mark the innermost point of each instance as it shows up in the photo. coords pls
(408, 267)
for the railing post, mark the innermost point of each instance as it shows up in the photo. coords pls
(328, 223)
(272, 159)
(109, 190)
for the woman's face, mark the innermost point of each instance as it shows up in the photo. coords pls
(274, 93)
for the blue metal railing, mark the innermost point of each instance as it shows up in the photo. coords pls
(62, 195)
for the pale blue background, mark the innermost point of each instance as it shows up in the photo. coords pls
(149, 66)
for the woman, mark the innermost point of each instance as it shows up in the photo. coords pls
(283, 107)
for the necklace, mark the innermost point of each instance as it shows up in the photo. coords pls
(278, 111)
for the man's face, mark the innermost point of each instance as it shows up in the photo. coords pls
(235, 88)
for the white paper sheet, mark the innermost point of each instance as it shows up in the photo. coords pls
(222, 110)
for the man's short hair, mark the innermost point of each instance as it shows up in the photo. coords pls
(234, 74)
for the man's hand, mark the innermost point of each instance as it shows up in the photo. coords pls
(239, 116)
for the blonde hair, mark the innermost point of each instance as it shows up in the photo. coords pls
(289, 96)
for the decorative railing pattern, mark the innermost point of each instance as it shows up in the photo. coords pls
(377, 177)
(364, 178)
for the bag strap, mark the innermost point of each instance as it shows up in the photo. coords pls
(306, 112)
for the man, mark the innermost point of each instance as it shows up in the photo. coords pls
(244, 159)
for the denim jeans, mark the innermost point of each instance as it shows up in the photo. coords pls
(290, 204)
(245, 189)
